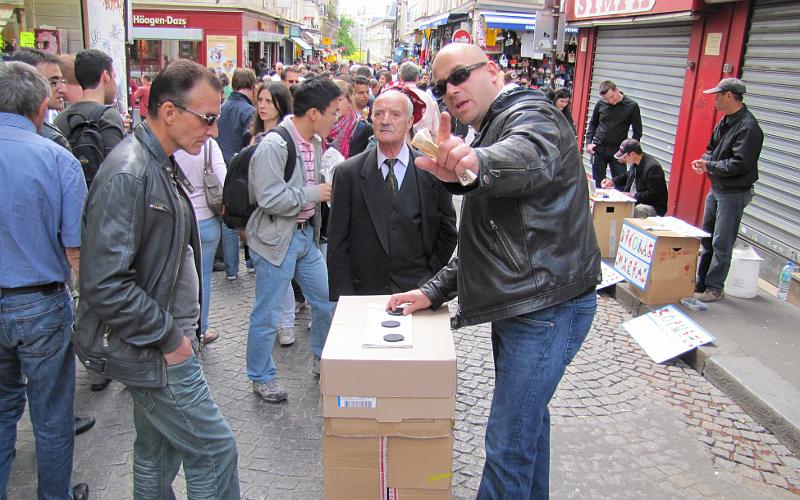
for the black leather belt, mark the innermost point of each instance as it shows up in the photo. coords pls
(303, 225)
(48, 288)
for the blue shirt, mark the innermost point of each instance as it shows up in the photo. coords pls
(42, 189)
(399, 167)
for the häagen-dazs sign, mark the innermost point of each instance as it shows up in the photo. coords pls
(597, 8)
(159, 21)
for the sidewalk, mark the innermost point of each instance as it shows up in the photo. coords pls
(754, 360)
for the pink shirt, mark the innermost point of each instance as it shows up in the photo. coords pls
(306, 150)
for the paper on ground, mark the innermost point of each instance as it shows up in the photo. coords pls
(374, 332)
(666, 333)
(610, 276)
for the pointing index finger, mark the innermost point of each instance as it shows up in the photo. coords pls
(444, 128)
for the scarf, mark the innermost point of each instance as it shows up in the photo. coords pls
(341, 133)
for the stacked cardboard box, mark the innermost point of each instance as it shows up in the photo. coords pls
(609, 209)
(388, 412)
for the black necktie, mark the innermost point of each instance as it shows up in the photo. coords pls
(391, 180)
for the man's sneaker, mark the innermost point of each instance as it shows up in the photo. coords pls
(709, 295)
(233, 277)
(271, 391)
(315, 366)
(286, 335)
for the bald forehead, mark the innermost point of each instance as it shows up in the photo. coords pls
(456, 54)
(393, 99)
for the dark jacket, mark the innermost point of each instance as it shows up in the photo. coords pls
(360, 138)
(52, 132)
(110, 123)
(131, 244)
(733, 152)
(234, 123)
(651, 188)
(526, 240)
(358, 241)
(609, 125)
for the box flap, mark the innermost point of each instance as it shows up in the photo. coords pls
(411, 428)
(667, 227)
(428, 369)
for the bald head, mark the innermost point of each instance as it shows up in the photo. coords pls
(470, 100)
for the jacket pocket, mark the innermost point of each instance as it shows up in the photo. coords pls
(504, 245)
(160, 207)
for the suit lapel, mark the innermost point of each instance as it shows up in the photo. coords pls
(374, 191)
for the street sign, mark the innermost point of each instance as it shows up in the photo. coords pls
(462, 36)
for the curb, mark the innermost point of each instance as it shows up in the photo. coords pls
(763, 394)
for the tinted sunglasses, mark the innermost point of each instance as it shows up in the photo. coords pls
(208, 119)
(457, 77)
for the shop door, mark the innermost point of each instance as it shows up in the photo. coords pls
(771, 71)
(648, 64)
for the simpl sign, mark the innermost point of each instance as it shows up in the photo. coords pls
(599, 8)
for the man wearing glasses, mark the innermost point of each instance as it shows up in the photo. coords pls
(527, 259)
(140, 291)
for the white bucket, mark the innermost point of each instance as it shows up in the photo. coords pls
(742, 278)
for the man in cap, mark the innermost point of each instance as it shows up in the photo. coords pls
(731, 163)
(643, 181)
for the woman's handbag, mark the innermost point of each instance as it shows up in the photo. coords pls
(211, 184)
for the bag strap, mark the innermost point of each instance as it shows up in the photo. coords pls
(291, 149)
(207, 158)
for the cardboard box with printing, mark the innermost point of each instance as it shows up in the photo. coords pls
(388, 410)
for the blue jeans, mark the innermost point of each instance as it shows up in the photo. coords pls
(531, 352)
(304, 262)
(230, 250)
(182, 424)
(721, 218)
(209, 239)
(35, 345)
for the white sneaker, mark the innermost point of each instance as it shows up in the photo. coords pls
(286, 336)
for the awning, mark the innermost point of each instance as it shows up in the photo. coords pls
(185, 34)
(300, 42)
(433, 22)
(516, 21)
(264, 36)
(311, 38)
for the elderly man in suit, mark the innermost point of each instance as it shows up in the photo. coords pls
(391, 225)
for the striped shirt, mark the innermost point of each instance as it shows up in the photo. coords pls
(306, 150)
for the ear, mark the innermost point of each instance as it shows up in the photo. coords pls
(41, 113)
(167, 113)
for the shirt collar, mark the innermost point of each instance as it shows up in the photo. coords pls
(19, 121)
(289, 124)
(402, 156)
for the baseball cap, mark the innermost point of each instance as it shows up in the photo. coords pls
(728, 84)
(628, 146)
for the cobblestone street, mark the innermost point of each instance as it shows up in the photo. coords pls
(623, 427)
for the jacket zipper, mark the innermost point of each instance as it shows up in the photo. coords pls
(179, 221)
(504, 245)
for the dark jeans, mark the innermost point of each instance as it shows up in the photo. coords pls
(721, 218)
(601, 161)
(35, 346)
(182, 424)
(531, 353)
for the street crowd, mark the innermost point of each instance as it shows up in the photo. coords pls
(110, 235)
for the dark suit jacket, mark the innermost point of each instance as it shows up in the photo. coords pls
(358, 239)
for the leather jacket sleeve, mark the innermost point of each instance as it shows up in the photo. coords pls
(443, 286)
(108, 280)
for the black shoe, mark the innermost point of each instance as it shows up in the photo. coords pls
(83, 424)
(80, 491)
(218, 266)
(101, 385)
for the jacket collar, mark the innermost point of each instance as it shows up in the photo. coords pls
(146, 138)
(508, 98)
(238, 96)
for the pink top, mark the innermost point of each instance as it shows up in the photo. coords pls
(192, 166)
(307, 153)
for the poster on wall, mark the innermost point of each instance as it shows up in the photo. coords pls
(222, 52)
(48, 40)
(104, 28)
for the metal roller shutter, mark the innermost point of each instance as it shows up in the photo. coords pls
(771, 71)
(648, 65)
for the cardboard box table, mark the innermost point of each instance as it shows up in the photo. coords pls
(609, 210)
(388, 412)
(658, 256)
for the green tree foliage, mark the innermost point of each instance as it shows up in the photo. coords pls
(343, 36)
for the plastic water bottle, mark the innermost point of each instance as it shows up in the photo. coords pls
(786, 278)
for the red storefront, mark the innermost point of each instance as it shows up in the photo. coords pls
(222, 39)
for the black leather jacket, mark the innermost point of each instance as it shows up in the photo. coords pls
(526, 240)
(131, 250)
(733, 152)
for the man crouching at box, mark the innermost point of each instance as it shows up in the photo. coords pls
(527, 261)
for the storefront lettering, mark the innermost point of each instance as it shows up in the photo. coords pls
(159, 21)
(597, 8)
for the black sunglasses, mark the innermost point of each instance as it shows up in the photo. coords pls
(457, 77)
(209, 119)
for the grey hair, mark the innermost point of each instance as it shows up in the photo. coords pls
(407, 100)
(409, 72)
(22, 89)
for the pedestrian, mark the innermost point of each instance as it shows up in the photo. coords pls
(409, 75)
(140, 292)
(208, 161)
(43, 190)
(393, 71)
(273, 104)
(73, 90)
(643, 181)
(234, 122)
(283, 232)
(362, 101)
(290, 76)
(392, 227)
(612, 117)
(561, 99)
(142, 95)
(731, 164)
(350, 135)
(527, 259)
